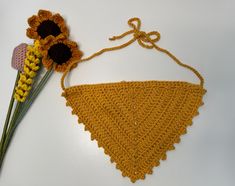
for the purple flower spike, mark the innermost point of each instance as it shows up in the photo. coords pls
(18, 57)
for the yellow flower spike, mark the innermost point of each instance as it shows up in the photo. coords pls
(31, 58)
(29, 72)
(27, 62)
(37, 61)
(29, 81)
(29, 49)
(22, 99)
(37, 54)
(37, 44)
(19, 92)
(20, 83)
(31, 66)
(17, 97)
(32, 74)
(35, 68)
(26, 69)
(23, 77)
(25, 87)
(26, 94)
(29, 53)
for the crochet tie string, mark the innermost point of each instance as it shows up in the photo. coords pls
(146, 40)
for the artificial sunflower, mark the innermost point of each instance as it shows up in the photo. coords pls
(60, 53)
(45, 24)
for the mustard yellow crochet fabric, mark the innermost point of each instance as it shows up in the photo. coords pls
(136, 122)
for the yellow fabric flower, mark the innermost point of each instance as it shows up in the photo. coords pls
(45, 24)
(59, 53)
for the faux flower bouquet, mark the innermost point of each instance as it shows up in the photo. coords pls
(51, 50)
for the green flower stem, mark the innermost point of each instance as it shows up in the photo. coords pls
(9, 113)
(22, 113)
(13, 119)
(33, 96)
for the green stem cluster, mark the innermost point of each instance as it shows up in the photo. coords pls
(19, 112)
(9, 112)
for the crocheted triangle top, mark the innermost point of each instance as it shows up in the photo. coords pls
(136, 122)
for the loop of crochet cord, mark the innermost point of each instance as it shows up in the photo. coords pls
(144, 39)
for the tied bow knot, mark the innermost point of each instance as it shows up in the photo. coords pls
(146, 40)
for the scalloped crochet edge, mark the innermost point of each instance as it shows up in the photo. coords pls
(155, 164)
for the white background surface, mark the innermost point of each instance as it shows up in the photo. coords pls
(51, 149)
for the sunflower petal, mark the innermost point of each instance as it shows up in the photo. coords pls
(44, 14)
(77, 54)
(33, 21)
(64, 30)
(48, 40)
(31, 33)
(60, 68)
(57, 18)
(44, 52)
(47, 63)
(72, 43)
(60, 37)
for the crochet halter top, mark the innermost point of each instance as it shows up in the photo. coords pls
(136, 122)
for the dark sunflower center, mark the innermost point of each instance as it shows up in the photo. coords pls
(47, 28)
(60, 53)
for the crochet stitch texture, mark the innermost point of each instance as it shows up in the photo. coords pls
(18, 57)
(136, 122)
